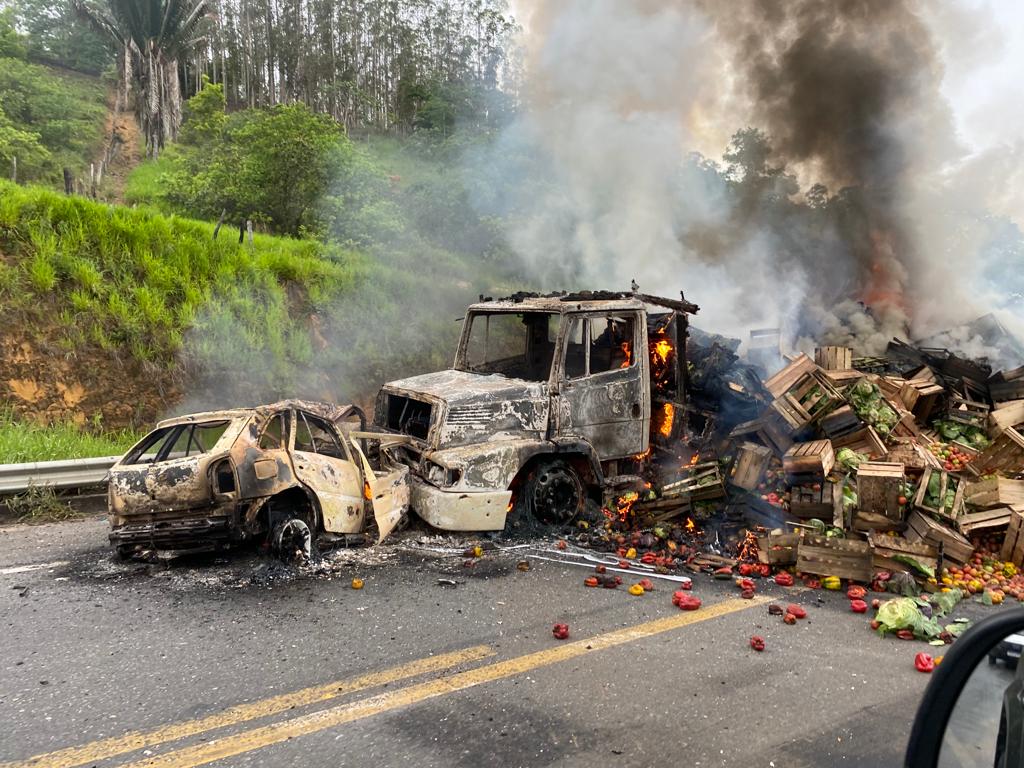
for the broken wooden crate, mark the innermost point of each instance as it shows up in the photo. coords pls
(921, 527)
(842, 421)
(749, 467)
(699, 482)
(819, 501)
(845, 558)
(769, 429)
(864, 441)
(1005, 456)
(993, 492)
(777, 548)
(788, 377)
(1013, 544)
(984, 521)
(914, 458)
(811, 460)
(1007, 385)
(880, 488)
(941, 494)
(888, 548)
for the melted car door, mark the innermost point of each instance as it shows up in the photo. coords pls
(324, 464)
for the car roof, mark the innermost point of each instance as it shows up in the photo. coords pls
(328, 411)
(582, 301)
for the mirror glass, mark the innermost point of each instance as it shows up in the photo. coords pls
(986, 729)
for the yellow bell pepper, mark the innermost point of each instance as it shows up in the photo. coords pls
(832, 582)
(630, 553)
(357, 583)
(636, 589)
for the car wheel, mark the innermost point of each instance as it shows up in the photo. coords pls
(291, 539)
(553, 493)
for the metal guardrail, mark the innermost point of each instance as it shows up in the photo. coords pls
(59, 475)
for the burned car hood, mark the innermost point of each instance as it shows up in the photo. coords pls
(478, 407)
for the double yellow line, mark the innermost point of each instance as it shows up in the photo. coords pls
(274, 733)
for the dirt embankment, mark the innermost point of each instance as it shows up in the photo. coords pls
(41, 380)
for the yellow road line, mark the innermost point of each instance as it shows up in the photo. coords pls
(129, 742)
(275, 733)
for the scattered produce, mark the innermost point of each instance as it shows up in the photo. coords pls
(357, 583)
(590, 581)
(636, 589)
(757, 643)
(924, 663)
(560, 631)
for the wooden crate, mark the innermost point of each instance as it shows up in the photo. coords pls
(865, 441)
(751, 462)
(834, 358)
(842, 421)
(984, 521)
(844, 379)
(769, 429)
(940, 508)
(879, 487)
(778, 548)
(921, 397)
(812, 459)
(700, 482)
(1013, 544)
(1005, 415)
(1005, 456)
(887, 547)
(845, 558)
(788, 377)
(914, 458)
(964, 411)
(809, 400)
(921, 527)
(815, 501)
(1007, 385)
(994, 492)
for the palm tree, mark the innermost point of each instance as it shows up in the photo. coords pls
(153, 37)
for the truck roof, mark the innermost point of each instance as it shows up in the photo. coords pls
(583, 301)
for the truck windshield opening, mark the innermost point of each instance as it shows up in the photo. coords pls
(518, 345)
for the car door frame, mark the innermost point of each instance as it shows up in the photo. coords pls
(336, 483)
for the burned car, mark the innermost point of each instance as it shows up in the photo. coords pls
(549, 400)
(285, 474)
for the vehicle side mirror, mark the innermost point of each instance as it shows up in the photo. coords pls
(972, 712)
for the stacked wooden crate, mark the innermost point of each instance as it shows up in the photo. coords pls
(879, 490)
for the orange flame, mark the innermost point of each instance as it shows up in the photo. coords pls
(624, 504)
(366, 491)
(642, 456)
(662, 349)
(627, 350)
(668, 412)
(690, 525)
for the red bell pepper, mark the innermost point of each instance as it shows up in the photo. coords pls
(924, 663)
(856, 592)
(757, 643)
(812, 583)
(647, 584)
(765, 570)
(858, 606)
(746, 569)
(687, 602)
(723, 573)
(560, 631)
(600, 569)
(796, 610)
(590, 581)
(623, 563)
(789, 618)
(905, 634)
(875, 623)
(747, 594)
(784, 579)
(745, 584)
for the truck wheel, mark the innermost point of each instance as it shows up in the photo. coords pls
(553, 493)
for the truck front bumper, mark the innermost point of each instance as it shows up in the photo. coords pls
(460, 510)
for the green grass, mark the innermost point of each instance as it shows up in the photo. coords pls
(143, 186)
(22, 442)
(137, 280)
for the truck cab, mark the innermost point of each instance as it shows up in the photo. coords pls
(548, 397)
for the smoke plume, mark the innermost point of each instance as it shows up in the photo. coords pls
(835, 217)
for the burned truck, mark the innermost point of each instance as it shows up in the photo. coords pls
(552, 399)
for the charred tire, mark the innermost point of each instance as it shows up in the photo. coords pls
(292, 540)
(553, 493)
(126, 551)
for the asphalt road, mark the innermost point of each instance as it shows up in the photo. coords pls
(242, 662)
